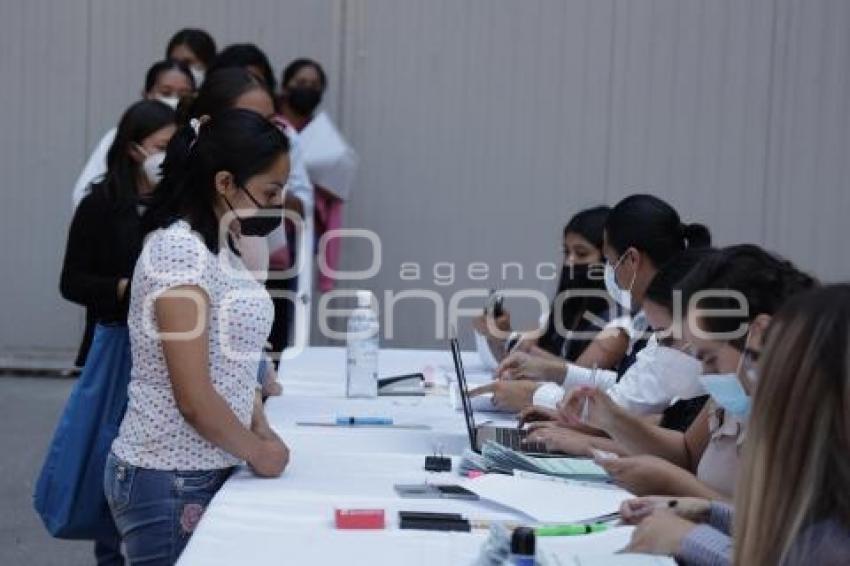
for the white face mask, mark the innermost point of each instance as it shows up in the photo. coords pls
(198, 73)
(152, 166)
(171, 101)
(680, 371)
(623, 297)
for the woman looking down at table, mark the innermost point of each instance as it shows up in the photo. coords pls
(198, 320)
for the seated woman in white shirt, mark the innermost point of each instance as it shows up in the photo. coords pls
(642, 233)
(792, 505)
(198, 321)
(166, 81)
(703, 460)
(665, 374)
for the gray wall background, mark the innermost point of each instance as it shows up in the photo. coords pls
(482, 125)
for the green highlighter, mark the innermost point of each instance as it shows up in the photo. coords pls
(568, 530)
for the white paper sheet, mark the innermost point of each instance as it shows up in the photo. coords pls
(549, 501)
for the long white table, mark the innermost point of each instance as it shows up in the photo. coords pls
(289, 520)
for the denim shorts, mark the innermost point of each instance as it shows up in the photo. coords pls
(156, 511)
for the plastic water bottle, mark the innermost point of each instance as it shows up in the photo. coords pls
(362, 357)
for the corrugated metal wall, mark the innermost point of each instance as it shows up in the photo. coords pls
(481, 125)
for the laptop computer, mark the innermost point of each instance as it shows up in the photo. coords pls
(511, 437)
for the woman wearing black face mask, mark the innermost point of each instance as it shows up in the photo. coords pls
(581, 272)
(574, 325)
(198, 320)
(302, 87)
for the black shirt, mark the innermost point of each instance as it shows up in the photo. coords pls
(104, 242)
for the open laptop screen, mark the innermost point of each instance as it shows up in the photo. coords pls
(464, 393)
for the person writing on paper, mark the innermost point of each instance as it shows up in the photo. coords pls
(641, 234)
(792, 506)
(673, 364)
(702, 461)
(195, 48)
(331, 163)
(166, 81)
(572, 311)
(198, 320)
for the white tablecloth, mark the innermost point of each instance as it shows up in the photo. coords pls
(289, 520)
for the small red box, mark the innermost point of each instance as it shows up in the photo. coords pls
(359, 518)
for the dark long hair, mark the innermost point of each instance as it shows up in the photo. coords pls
(669, 277)
(245, 55)
(197, 40)
(239, 141)
(653, 227)
(139, 121)
(160, 67)
(292, 69)
(219, 92)
(588, 224)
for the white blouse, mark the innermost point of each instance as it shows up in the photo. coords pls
(153, 433)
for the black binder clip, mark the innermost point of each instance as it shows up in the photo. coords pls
(438, 463)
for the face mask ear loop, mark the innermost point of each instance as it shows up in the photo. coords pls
(617, 266)
(740, 367)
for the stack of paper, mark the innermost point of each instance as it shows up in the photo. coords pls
(498, 458)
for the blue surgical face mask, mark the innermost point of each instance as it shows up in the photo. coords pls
(727, 392)
(726, 388)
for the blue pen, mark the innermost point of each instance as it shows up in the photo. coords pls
(367, 421)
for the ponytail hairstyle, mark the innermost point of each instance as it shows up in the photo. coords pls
(669, 278)
(139, 121)
(219, 91)
(653, 227)
(239, 141)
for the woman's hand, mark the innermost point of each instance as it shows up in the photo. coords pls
(589, 406)
(660, 533)
(498, 328)
(642, 475)
(508, 395)
(557, 439)
(271, 386)
(521, 365)
(536, 413)
(122, 288)
(694, 509)
(269, 458)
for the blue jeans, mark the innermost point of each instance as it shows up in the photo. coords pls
(156, 511)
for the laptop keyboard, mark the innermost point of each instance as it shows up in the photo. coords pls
(513, 437)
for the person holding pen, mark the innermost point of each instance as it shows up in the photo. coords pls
(642, 233)
(792, 506)
(703, 460)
